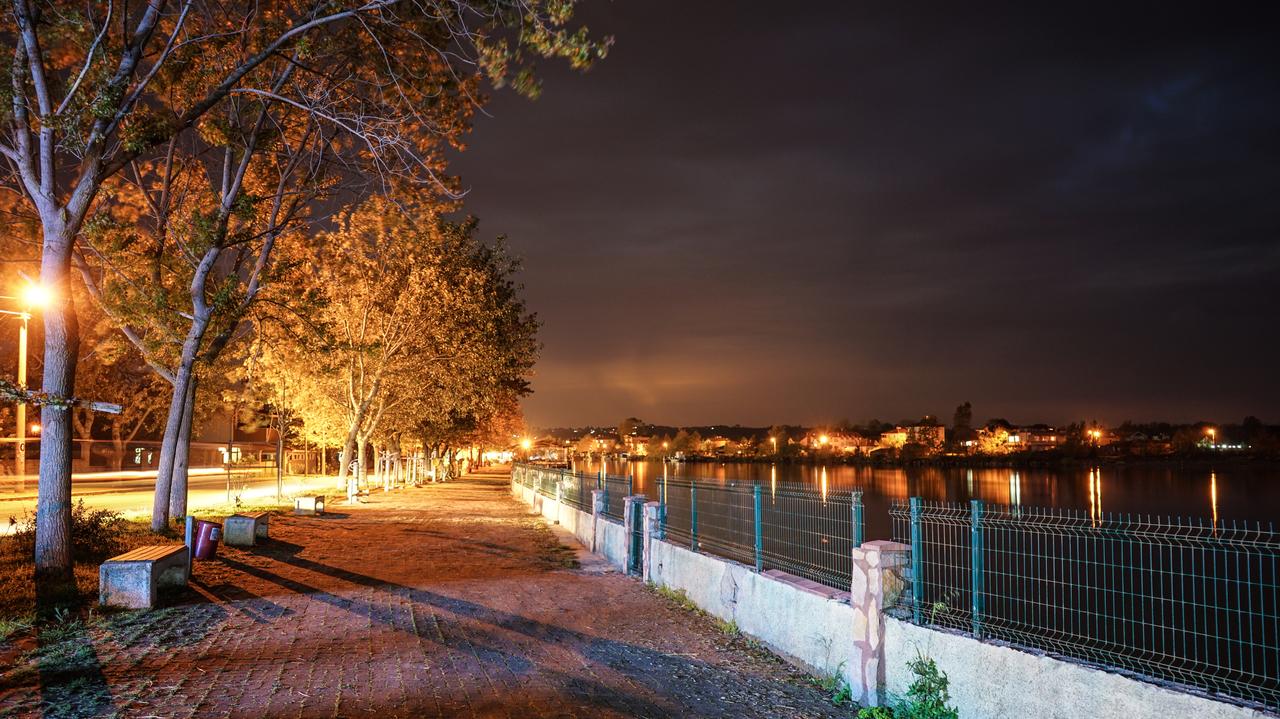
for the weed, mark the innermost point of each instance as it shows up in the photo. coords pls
(729, 628)
(835, 686)
(927, 697)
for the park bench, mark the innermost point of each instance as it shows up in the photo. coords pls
(131, 579)
(243, 530)
(309, 504)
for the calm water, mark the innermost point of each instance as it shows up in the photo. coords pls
(1234, 492)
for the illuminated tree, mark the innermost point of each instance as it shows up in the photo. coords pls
(100, 89)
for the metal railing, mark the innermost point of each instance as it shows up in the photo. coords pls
(616, 489)
(800, 531)
(804, 532)
(1187, 601)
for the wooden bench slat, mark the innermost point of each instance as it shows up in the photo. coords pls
(148, 553)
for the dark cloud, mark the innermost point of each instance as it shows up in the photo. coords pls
(771, 212)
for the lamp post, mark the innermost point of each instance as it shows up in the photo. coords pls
(33, 295)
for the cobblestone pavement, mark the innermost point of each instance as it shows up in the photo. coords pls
(443, 601)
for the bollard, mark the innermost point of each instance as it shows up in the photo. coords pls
(188, 537)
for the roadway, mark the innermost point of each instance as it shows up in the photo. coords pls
(131, 492)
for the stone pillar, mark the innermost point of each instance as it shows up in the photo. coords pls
(652, 532)
(878, 568)
(597, 508)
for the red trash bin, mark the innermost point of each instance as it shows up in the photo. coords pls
(207, 535)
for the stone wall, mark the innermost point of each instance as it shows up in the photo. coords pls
(850, 634)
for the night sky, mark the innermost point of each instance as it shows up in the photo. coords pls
(801, 212)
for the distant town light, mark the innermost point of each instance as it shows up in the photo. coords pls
(35, 428)
(526, 443)
(824, 439)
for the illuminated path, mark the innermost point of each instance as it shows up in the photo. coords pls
(444, 601)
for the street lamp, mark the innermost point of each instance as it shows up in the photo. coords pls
(1213, 437)
(33, 295)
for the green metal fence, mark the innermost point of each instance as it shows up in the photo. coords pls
(808, 533)
(616, 489)
(1187, 601)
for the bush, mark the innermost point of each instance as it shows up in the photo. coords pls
(95, 533)
(875, 713)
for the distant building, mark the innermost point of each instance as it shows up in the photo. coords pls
(929, 436)
(636, 445)
(1037, 438)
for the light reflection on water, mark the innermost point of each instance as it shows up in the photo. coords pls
(1216, 494)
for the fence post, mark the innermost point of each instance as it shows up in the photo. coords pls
(759, 529)
(975, 564)
(693, 515)
(917, 563)
(630, 489)
(857, 518)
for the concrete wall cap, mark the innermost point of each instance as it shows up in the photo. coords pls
(884, 545)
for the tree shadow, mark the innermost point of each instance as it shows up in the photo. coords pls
(482, 638)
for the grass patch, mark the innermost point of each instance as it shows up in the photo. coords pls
(677, 596)
(729, 628)
(552, 551)
(96, 535)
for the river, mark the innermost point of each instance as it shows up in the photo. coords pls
(1230, 492)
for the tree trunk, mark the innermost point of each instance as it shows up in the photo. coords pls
(117, 449)
(360, 461)
(61, 348)
(169, 444)
(182, 457)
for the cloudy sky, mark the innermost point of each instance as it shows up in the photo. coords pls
(802, 212)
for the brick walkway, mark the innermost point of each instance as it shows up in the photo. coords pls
(449, 600)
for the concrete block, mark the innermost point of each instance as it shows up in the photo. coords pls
(309, 504)
(243, 530)
(131, 579)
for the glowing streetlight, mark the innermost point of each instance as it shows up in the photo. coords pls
(526, 444)
(824, 439)
(36, 295)
(774, 442)
(1213, 436)
(35, 428)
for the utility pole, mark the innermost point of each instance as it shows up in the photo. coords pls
(20, 449)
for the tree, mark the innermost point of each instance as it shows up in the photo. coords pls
(963, 418)
(420, 328)
(97, 90)
(628, 426)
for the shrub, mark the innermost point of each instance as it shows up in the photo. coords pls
(95, 533)
(875, 713)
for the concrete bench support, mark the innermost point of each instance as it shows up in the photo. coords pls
(131, 579)
(243, 530)
(309, 504)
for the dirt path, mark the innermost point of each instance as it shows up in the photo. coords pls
(449, 600)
